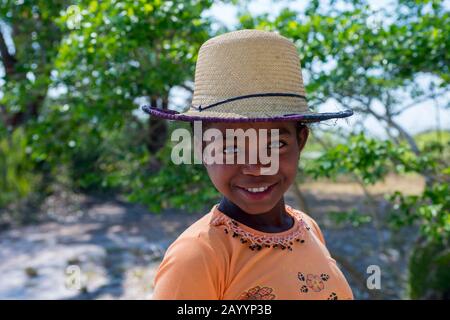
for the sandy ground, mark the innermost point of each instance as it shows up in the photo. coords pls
(109, 249)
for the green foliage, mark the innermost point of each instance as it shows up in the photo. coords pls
(367, 159)
(431, 136)
(429, 271)
(123, 50)
(19, 184)
(435, 142)
(353, 217)
(431, 210)
(85, 134)
(127, 49)
(17, 180)
(182, 186)
(36, 42)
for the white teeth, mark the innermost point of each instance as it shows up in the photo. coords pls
(254, 190)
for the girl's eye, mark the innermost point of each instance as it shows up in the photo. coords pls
(277, 145)
(230, 149)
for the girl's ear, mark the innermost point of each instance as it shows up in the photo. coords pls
(302, 136)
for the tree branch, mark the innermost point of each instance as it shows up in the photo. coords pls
(416, 102)
(9, 61)
(366, 107)
(186, 87)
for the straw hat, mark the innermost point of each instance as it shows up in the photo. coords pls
(248, 76)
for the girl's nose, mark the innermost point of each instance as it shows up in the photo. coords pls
(252, 169)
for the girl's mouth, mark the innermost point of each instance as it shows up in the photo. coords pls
(257, 193)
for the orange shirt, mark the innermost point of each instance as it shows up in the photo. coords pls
(218, 258)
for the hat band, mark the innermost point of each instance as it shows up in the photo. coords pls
(200, 108)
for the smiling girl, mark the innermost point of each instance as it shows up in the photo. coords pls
(251, 245)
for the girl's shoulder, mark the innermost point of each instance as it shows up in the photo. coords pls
(194, 261)
(310, 222)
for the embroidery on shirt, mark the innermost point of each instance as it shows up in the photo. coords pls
(312, 282)
(333, 296)
(257, 242)
(316, 283)
(257, 293)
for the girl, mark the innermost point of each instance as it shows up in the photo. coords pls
(251, 245)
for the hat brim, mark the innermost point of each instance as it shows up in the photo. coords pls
(302, 117)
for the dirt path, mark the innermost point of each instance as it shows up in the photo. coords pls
(116, 245)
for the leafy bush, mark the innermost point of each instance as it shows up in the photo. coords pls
(182, 186)
(18, 181)
(429, 271)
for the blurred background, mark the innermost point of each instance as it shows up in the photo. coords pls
(90, 200)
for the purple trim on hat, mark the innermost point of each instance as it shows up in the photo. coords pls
(267, 94)
(175, 115)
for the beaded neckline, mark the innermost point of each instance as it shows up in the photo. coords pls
(255, 239)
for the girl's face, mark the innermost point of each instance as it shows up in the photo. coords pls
(234, 180)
